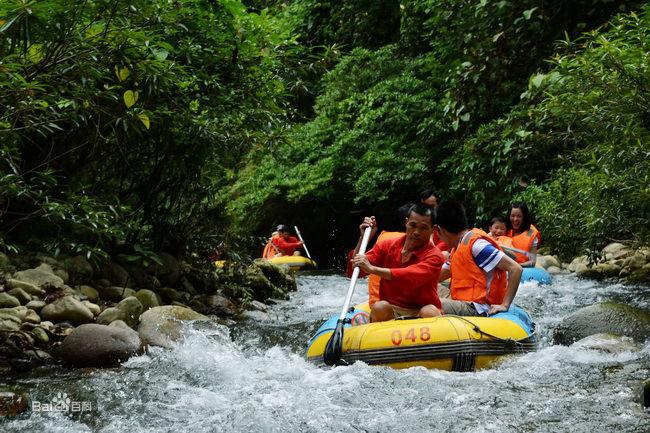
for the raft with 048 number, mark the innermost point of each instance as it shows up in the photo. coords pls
(452, 343)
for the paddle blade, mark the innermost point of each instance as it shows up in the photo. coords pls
(334, 348)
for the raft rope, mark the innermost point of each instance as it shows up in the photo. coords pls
(477, 328)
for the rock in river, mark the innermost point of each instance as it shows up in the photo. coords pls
(159, 326)
(605, 317)
(93, 345)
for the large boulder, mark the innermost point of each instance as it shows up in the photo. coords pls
(27, 287)
(148, 299)
(8, 301)
(93, 345)
(41, 276)
(604, 318)
(269, 280)
(160, 326)
(168, 271)
(67, 309)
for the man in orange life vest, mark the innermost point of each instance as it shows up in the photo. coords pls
(484, 280)
(408, 265)
(284, 243)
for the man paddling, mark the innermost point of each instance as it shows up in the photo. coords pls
(484, 280)
(408, 265)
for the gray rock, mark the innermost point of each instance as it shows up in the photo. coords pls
(21, 295)
(8, 301)
(27, 287)
(614, 247)
(9, 325)
(67, 308)
(109, 315)
(148, 299)
(90, 293)
(554, 270)
(607, 269)
(159, 326)
(116, 274)
(640, 275)
(582, 271)
(128, 311)
(604, 318)
(131, 308)
(40, 335)
(37, 306)
(12, 314)
(94, 308)
(40, 276)
(637, 261)
(93, 345)
(120, 324)
(79, 269)
(582, 260)
(607, 343)
(115, 293)
(219, 305)
(169, 295)
(168, 272)
(63, 274)
(31, 317)
(259, 306)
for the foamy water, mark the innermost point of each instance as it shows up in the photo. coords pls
(252, 377)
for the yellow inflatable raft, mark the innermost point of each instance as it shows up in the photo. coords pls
(451, 343)
(294, 262)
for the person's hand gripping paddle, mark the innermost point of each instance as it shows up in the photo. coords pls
(334, 347)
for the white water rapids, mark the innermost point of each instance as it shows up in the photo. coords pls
(252, 377)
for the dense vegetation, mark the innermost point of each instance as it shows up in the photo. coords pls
(185, 125)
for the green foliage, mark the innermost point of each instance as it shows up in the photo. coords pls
(123, 119)
(354, 150)
(582, 134)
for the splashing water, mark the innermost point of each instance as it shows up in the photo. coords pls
(252, 377)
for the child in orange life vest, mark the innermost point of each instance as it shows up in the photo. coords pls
(497, 231)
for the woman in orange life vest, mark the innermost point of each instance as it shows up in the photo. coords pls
(432, 198)
(524, 234)
(484, 280)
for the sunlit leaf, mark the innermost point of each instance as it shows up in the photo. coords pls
(130, 98)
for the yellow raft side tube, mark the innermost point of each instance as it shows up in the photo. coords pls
(294, 262)
(451, 343)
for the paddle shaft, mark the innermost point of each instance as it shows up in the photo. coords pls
(355, 274)
(334, 347)
(516, 250)
(304, 245)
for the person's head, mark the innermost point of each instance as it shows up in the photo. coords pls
(283, 230)
(419, 224)
(396, 221)
(518, 218)
(498, 226)
(430, 197)
(451, 220)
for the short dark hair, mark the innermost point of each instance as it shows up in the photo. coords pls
(528, 219)
(424, 210)
(282, 229)
(498, 219)
(451, 216)
(428, 193)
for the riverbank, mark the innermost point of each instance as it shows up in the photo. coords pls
(615, 261)
(85, 315)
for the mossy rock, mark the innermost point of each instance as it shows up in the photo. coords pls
(605, 317)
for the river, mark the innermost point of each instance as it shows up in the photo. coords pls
(251, 376)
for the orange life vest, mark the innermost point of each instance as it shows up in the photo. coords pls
(524, 241)
(374, 280)
(468, 281)
(270, 250)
